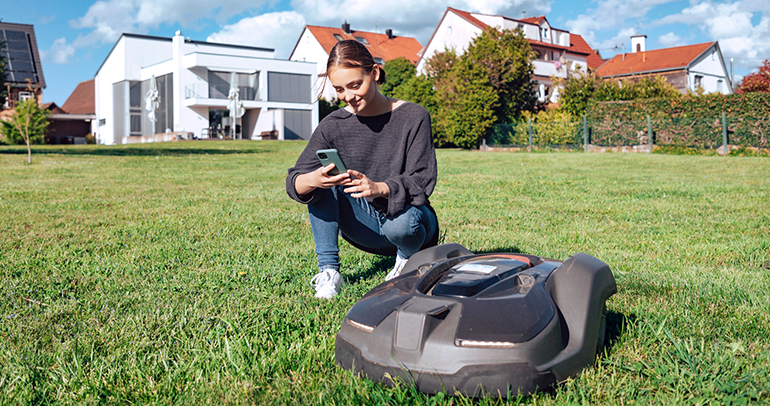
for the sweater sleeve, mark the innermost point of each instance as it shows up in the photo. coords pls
(418, 179)
(307, 162)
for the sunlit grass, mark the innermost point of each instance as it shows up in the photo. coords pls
(179, 272)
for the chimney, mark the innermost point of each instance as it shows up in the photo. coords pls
(389, 33)
(637, 43)
(346, 27)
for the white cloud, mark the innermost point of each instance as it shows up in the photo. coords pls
(59, 53)
(108, 19)
(279, 31)
(670, 40)
(611, 14)
(731, 24)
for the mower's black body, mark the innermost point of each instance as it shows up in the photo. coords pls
(488, 324)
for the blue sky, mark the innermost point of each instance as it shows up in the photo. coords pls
(75, 36)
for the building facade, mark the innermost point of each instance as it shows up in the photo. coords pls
(24, 71)
(558, 52)
(316, 43)
(193, 81)
(698, 67)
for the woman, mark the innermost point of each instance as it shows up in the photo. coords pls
(381, 203)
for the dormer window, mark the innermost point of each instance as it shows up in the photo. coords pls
(379, 61)
(338, 37)
(362, 40)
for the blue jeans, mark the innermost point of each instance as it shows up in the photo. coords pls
(337, 212)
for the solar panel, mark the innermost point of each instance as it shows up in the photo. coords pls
(18, 55)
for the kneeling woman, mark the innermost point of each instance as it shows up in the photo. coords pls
(381, 203)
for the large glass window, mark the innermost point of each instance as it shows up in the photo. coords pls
(288, 87)
(219, 85)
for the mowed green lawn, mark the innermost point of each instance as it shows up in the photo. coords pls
(178, 273)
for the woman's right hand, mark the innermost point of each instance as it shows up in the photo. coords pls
(319, 178)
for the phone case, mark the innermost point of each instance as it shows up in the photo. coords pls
(330, 156)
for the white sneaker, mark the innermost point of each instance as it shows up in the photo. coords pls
(396, 271)
(327, 283)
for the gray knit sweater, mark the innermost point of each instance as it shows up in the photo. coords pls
(395, 148)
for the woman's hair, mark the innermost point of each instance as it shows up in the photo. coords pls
(352, 54)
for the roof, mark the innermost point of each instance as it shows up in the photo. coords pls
(81, 101)
(379, 45)
(53, 108)
(23, 60)
(653, 61)
(578, 45)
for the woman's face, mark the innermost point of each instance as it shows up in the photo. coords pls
(356, 87)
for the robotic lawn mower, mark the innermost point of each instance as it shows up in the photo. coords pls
(487, 324)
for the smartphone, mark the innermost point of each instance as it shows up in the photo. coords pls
(330, 156)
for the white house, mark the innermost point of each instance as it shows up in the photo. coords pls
(315, 43)
(193, 82)
(558, 51)
(689, 67)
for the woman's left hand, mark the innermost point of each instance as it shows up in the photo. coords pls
(361, 186)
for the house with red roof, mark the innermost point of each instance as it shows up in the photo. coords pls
(689, 67)
(559, 53)
(316, 43)
(76, 118)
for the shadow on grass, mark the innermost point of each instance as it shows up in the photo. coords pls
(137, 149)
(616, 325)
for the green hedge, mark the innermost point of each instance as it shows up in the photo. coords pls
(688, 121)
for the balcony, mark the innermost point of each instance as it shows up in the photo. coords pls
(206, 91)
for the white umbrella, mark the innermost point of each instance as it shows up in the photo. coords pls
(235, 105)
(152, 100)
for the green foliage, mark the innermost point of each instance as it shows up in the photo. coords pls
(756, 81)
(488, 84)
(581, 88)
(325, 107)
(690, 120)
(27, 125)
(397, 72)
(550, 128)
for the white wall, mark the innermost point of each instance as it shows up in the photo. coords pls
(710, 66)
(308, 49)
(453, 32)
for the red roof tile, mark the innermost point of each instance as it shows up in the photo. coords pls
(533, 20)
(653, 61)
(81, 101)
(380, 46)
(580, 45)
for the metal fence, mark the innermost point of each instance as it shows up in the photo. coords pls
(699, 133)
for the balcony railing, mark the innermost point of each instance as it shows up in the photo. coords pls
(206, 91)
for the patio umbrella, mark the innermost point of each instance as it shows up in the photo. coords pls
(152, 99)
(235, 105)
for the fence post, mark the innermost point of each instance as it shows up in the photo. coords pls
(649, 132)
(585, 134)
(530, 134)
(724, 133)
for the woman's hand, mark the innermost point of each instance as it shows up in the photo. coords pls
(319, 178)
(358, 185)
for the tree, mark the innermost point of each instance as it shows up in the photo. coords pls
(397, 72)
(756, 81)
(27, 124)
(490, 83)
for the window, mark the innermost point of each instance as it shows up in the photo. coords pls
(288, 87)
(379, 61)
(449, 31)
(362, 40)
(719, 85)
(25, 96)
(698, 82)
(338, 37)
(102, 121)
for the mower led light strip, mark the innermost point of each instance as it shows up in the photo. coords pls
(362, 327)
(486, 344)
